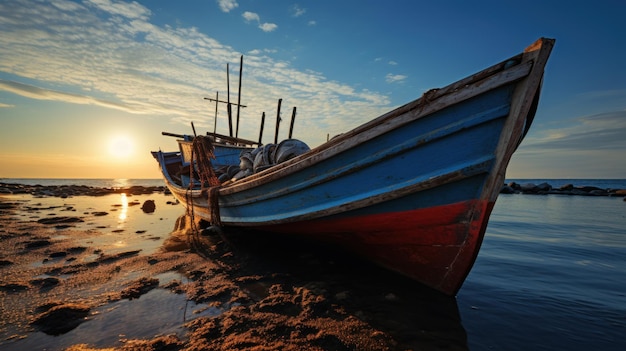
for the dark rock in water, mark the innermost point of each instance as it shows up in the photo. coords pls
(577, 191)
(507, 190)
(58, 254)
(544, 187)
(588, 189)
(514, 185)
(77, 249)
(139, 288)
(567, 189)
(45, 284)
(65, 191)
(35, 244)
(100, 213)
(528, 187)
(148, 206)
(13, 287)
(116, 257)
(61, 319)
(7, 206)
(58, 220)
(598, 192)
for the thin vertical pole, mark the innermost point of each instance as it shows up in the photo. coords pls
(239, 96)
(261, 131)
(293, 118)
(230, 119)
(229, 109)
(277, 121)
(217, 96)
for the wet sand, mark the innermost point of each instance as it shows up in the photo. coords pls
(201, 290)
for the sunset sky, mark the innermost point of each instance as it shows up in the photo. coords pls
(87, 87)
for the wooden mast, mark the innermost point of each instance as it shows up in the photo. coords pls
(239, 96)
(293, 118)
(277, 121)
(228, 108)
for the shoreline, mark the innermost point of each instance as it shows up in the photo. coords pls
(60, 290)
(65, 191)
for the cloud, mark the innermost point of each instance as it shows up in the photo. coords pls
(227, 5)
(268, 27)
(114, 57)
(393, 63)
(311, 23)
(253, 17)
(38, 93)
(6, 105)
(297, 11)
(117, 8)
(395, 78)
(603, 131)
(262, 51)
(588, 147)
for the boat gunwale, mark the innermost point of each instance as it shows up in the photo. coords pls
(464, 89)
(370, 130)
(390, 152)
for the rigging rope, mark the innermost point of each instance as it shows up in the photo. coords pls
(202, 151)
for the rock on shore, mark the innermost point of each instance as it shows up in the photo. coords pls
(568, 189)
(65, 191)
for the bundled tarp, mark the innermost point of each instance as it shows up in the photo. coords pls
(264, 157)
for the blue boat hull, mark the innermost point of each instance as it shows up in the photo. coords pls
(412, 189)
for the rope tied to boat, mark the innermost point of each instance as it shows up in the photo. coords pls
(202, 150)
(202, 153)
(213, 199)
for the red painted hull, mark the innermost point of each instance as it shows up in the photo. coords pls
(436, 246)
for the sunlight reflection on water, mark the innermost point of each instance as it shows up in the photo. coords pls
(124, 226)
(124, 210)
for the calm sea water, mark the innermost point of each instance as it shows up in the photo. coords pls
(551, 273)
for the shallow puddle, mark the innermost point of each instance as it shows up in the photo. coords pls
(158, 312)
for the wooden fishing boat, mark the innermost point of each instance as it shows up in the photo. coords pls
(411, 190)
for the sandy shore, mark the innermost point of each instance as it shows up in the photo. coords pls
(239, 291)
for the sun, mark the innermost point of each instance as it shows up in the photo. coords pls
(120, 147)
